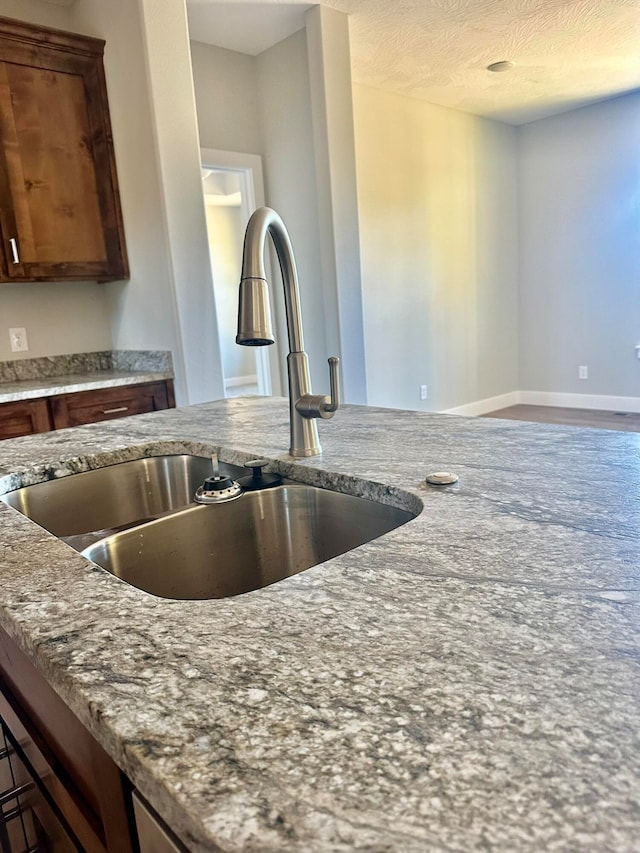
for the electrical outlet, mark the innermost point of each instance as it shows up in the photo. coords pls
(18, 338)
(423, 392)
(583, 372)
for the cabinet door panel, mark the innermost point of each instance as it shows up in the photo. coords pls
(24, 418)
(56, 206)
(59, 202)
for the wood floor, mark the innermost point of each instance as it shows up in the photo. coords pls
(625, 421)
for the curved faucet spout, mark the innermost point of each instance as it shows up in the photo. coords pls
(254, 327)
(266, 221)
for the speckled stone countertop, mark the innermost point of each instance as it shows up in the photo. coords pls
(28, 379)
(469, 681)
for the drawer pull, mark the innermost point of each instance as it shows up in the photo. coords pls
(12, 814)
(116, 410)
(14, 792)
(15, 257)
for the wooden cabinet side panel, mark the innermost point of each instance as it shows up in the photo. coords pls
(171, 397)
(83, 780)
(105, 165)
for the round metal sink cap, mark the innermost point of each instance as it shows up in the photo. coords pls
(442, 478)
(217, 489)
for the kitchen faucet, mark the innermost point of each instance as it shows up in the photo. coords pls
(254, 328)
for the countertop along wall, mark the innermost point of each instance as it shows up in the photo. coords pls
(29, 379)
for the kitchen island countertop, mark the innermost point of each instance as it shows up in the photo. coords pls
(467, 681)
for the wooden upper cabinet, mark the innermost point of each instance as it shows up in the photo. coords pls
(60, 215)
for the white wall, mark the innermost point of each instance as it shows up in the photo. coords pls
(334, 147)
(230, 119)
(226, 91)
(285, 103)
(289, 159)
(438, 224)
(580, 250)
(177, 148)
(60, 318)
(142, 311)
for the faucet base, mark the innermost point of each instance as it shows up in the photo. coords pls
(300, 454)
(304, 431)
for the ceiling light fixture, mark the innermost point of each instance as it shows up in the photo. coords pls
(503, 65)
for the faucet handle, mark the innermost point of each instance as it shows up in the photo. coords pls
(330, 405)
(318, 406)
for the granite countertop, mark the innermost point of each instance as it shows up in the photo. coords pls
(28, 379)
(30, 389)
(467, 681)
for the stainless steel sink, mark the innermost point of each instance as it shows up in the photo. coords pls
(138, 520)
(246, 544)
(84, 507)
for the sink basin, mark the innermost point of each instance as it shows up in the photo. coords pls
(84, 507)
(246, 544)
(138, 520)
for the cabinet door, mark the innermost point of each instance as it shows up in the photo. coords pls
(59, 206)
(24, 418)
(86, 407)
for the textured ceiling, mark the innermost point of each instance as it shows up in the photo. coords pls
(567, 53)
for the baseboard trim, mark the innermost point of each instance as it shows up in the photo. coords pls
(481, 407)
(605, 402)
(233, 381)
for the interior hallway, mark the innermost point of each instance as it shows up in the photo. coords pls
(625, 421)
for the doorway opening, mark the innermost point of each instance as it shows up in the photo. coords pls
(232, 188)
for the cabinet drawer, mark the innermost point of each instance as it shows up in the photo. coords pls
(24, 418)
(86, 407)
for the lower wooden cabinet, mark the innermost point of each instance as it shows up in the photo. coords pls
(24, 418)
(84, 407)
(87, 407)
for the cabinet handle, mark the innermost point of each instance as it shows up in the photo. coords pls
(115, 411)
(14, 250)
(16, 791)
